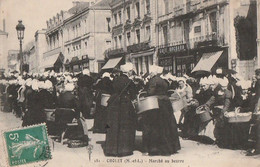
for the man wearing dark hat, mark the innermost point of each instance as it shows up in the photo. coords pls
(256, 150)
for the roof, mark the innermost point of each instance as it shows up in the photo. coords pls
(103, 4)
(3, 33)
(79, 7)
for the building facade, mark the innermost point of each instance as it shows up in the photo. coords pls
(87, 36)
(133, 33)
(204, 35)
(13, 60)
(53, 56)
(3, 49)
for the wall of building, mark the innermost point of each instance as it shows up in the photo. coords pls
(3, 51)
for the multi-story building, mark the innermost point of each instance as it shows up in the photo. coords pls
(133, 34)
(13, 60)
(53, 56)
(3, 47)
(200, 35)
(87, 36)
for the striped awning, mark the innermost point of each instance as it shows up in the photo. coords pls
(207, 61)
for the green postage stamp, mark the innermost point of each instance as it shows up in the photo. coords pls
(27, 145)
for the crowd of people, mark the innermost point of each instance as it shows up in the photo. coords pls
(75, 97)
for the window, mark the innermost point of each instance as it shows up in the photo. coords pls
(137, 36)
(128, 35)
(68, 50)
(137, 8)
(115, 19)
(115, 42)
(86, 44)
(148, 33)
(128, 12)
(73, 32)
(213, 22)
(76, 30)
(120, 17)
(74, 48)
(165, 34)
(197, 29)
(79, 46)
(120, 41)
(147, 5)
(108, 24)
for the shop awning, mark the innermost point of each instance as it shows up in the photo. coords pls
(49, 61)
(112, 63)
(207, 61)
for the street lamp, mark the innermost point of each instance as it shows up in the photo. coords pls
(20, 34)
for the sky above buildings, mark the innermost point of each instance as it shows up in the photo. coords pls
(33, 13)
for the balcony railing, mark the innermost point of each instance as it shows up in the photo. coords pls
(197, 5)
(138, 47)
(115, 51)
(211, 39)
(200, 41)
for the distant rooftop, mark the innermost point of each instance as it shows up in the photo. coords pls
(78, 7)
(103, 4)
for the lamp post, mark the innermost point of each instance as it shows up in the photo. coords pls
(20, 34)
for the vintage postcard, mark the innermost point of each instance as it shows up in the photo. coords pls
(130, 83)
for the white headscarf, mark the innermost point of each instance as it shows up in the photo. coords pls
(48, 84)
(86, 72)
(69, 87)
(223, 82)
(35, 85)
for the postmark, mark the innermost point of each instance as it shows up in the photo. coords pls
(27, 145)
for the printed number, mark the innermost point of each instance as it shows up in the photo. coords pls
(14, 136)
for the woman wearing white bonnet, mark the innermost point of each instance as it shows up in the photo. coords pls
(163, 139)
(104, 87)
(121, 113)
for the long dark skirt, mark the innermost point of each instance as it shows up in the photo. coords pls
(100, 120)
(85, 101)
(121, 121)
(33, 116)
(160, 135)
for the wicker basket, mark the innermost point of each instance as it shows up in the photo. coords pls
(236, 117)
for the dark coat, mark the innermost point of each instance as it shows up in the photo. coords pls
(121, 119)
(160, 135)
(85, 84)
(67, 100)
(105, 86)
(35, 113)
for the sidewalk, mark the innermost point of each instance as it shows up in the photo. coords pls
(191, 154)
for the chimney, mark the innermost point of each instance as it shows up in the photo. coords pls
(4, 25)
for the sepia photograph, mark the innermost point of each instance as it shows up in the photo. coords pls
(115, 83)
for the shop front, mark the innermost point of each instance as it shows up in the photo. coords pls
(76, 64)
(142, 56)
(54, 62)
(179, 60)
